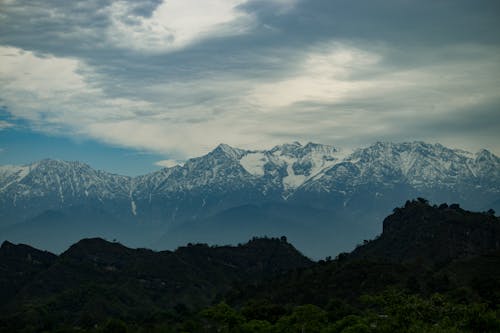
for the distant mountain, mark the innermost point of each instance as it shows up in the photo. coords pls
(338, 192)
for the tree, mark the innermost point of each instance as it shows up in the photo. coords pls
(305, 318)
(257, 326)
(443, 206)
(223, 318)
(115, 326)
(423, 200)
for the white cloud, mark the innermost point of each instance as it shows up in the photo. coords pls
(168, 163)
(324, 76)
(175, 24)
(44, 76)
(338, 93)
(5, 124)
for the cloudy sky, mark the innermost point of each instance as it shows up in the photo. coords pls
(125, 84)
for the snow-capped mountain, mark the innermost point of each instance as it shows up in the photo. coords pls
(367, 181)
(65, 179)
(291, 165)
(26, 191)
(418, 164)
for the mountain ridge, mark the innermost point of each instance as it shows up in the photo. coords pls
(353, 186)
(10, 174)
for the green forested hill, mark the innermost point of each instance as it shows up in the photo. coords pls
(95, 280)
(433, 269)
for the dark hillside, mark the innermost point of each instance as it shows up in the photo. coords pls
(432, 269)
(423, 249)
(19, 264)
(434, 235)
(95, 279)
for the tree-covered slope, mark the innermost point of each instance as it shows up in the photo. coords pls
(433, 269)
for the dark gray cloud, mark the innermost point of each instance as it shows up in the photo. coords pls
(331, 70)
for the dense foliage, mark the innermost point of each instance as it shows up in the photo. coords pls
(390, 311)
(445, 279)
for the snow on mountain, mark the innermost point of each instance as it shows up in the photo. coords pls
(220, 167)
(234, 175)
(254, 163)
(297, 163)
(10, 174)
(67, 180)
(289, 166)
(485, 166)
(418, 164)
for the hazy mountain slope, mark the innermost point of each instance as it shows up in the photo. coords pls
(316, 231)
(52, 184)
(351, 189)
(423, 249)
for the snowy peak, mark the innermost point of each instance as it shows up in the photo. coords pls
(292, 164)
(220, 167)
(282, 170)
(486, 166)
(486, 157)
(227, 151)
(295, 149)
(10, 174)
(419, 164)
(291, 149)
(62, 179)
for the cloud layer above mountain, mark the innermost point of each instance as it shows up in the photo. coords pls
(180, 76)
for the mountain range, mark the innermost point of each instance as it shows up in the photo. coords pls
(309, 192)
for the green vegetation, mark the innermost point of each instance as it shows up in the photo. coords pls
(434, 269)
(390, 311)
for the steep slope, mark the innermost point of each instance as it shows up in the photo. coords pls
(349, 190)
(436, 235)
(423, 250)
(200, 187)
(288, 166)
(51, 184)
(432, 170)
(19, 264)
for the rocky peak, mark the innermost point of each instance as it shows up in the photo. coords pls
(224, 150)
(289, 149)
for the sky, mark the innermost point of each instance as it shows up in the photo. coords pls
(131, 86)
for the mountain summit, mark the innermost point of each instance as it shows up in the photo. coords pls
(434, 234)
(231, 194)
